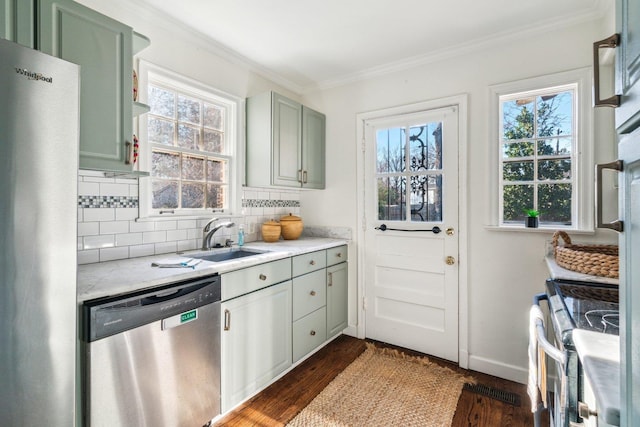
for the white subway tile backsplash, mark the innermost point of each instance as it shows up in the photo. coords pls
(140, 226)
(88, 188)
(88, 228)
(176, 235)
(126, 214)
(98, 242)
(110, 254)
(114, 227)
(141, 250)
(166, 225)
(166, 247)
(109, 229)
(154, 236)
(99, 214)
(88, 257)
(128, 239)
(108, 189)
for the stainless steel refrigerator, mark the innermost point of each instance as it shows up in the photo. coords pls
(38, 212)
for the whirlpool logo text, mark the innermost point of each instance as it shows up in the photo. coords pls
(34, 76)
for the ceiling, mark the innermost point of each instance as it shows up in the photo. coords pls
(311, 43)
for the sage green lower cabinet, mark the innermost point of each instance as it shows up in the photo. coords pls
(256, 341)
(309, 313)
(337, 293)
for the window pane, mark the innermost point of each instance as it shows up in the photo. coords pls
(426, 146)
(391, 196)
(390, 144)
(188, 110)
(555, 115)
(517, 171)
(554, 203)
(215, 170)
(162, 102)
(165, 194)
(554, 169)
(554, 147)
(165, 165)
(517, 119)
(213, 141)
(215, 196)
(193, 168)
(213, 117)
(518, 149)
(188, 137)
(160, 131)
(426, 198)
(517, 199)
(192, 195)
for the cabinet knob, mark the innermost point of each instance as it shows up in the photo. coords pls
(312, 333)
(262, 277)
(312, 262)
(313, 293)
(339, 254)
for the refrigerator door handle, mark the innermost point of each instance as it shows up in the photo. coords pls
(616, 225)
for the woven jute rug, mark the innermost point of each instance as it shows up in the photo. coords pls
(384, 387)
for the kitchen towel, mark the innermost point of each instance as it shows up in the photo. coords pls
(536, 384)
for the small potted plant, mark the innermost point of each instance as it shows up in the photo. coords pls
(532, 218)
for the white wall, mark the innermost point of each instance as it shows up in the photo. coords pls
(505, 269)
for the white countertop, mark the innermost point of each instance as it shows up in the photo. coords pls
(600, 357)
(558, 272)
(127, 275)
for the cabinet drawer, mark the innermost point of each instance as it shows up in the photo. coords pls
(303, 264)
(240, 282)
(309, 332)
(337, 255)
(309, 293)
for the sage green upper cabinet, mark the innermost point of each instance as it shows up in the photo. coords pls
(17, 21)
(103, 48)
(285, 143)
(628, 65)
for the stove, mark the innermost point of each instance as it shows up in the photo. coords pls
(575, 305)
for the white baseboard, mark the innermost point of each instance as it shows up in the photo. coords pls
(498, 369)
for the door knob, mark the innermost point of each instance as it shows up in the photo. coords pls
(450, 260)
(450, 231)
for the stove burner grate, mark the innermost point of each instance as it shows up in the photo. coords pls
(607, 318)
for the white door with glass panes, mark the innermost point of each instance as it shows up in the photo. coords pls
(411, 267)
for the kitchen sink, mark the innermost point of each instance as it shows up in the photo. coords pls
(226, 255)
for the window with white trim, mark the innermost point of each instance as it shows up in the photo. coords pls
(190, 138)
(543, 152)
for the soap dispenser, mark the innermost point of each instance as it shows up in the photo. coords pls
(240, 235)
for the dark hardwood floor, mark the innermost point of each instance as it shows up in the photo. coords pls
(281, 401)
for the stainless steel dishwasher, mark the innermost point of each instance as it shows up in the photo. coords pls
(152, 358)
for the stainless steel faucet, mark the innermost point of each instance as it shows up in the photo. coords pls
(208, 232)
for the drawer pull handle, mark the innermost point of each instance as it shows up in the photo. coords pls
(330, 282)
(313, 293)
(312, 333)
(262, 277)
(227, 320)
(312, 262)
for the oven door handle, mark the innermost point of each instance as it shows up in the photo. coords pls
(550, 349)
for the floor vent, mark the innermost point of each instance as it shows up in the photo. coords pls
(494, 393)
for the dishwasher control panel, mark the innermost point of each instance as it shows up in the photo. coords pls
(108, 316)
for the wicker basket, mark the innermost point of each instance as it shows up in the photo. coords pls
(595, 260)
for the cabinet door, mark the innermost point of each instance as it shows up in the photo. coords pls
(313, 148)
(628, 65)
(256, 342)
(286, 136)
(103, 49)
(629, 240)
(17, 21)
(337, 292)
